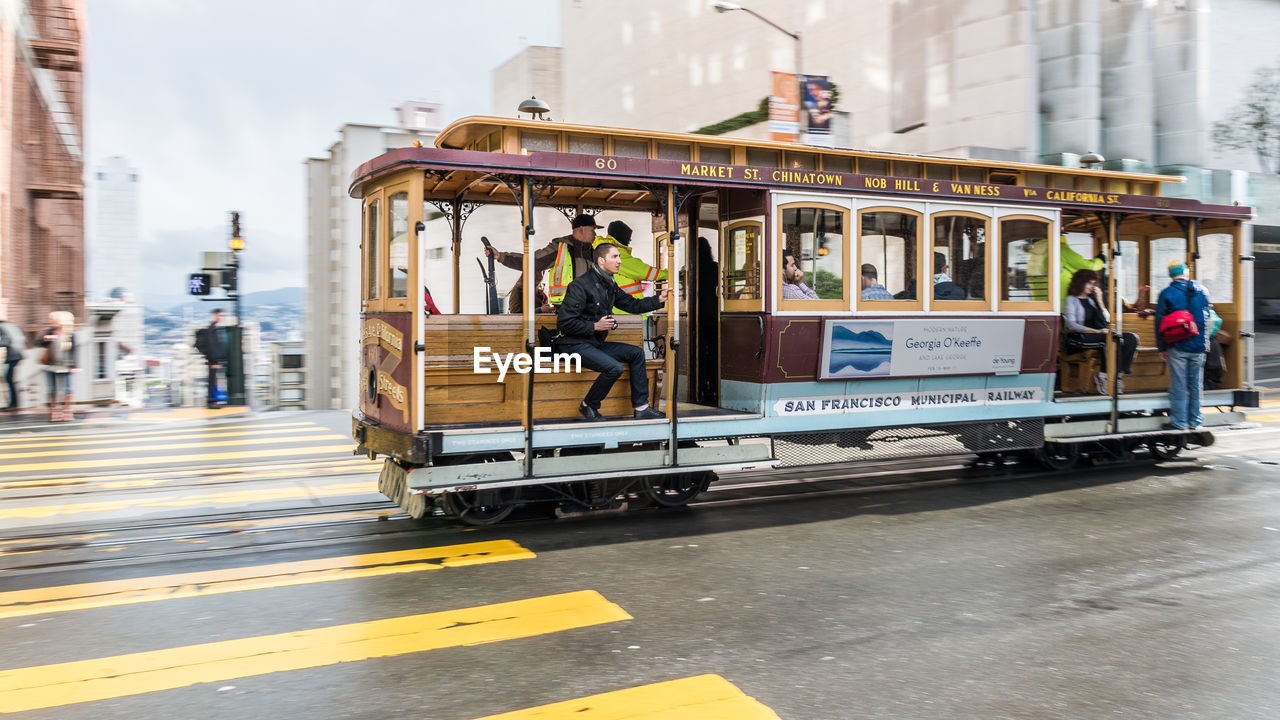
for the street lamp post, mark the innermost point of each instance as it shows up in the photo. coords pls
(724, 7)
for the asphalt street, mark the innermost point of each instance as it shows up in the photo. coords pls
(163, 569)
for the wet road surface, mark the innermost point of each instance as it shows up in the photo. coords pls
(168, 570)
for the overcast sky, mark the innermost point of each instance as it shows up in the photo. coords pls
(217, 105)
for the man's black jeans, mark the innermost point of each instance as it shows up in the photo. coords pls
(609, 359)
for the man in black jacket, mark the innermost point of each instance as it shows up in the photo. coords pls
(584, 322)
(209, 342)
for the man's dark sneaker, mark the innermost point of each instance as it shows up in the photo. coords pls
(588, 412)
(649, 414)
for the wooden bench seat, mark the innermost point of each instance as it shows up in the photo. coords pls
(1150, 373)
(455, 393)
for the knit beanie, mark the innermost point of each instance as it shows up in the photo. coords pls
(1177, 268)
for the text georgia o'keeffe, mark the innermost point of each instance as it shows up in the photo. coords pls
(542, 361)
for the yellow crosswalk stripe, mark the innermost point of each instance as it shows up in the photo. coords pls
(46, 686)
(1265, 418)
(31, 436)
(101, 463)
(705, 697)
(132, 439)
(326, 435)
(239, 497)
(62, 598)
(249, 472)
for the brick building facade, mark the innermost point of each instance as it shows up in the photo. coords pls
(41, 160)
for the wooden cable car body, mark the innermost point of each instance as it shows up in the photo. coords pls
(745, 377)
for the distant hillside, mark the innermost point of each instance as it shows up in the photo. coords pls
(294, 296)
(279, 296)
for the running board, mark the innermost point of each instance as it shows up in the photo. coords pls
(1090, 430)
(510, 473)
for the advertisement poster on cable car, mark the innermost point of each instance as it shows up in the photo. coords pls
(853, 349)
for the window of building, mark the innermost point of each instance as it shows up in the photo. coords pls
(291, 361)
(1025, 258)
(959, 258)
(398, 250)
(291, 378)
(889, 266)
(372, 288)
(291, 395)
(100, 361)
(815, 235)
(1214, 267)
(742, 265)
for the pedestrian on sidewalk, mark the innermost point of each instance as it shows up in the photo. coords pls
(12, 345)
(210, 343)
(59, 359)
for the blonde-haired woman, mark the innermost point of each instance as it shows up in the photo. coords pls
(59, 345)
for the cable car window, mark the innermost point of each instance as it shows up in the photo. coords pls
(372, 290)
(815, 237)
(716, 155)
(1127, 282)
(868, 166)
(1162, 252)
(668, 151)
(631, 148)
(802, 161)
(906, 169)
(742, 263)
(959, 257)
(398, 250)
(762, 158)
(1024, 253)
(1213, 269)
(538, 142)
(586, 145)
(890, 256)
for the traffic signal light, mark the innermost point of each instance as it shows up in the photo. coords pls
(200, 284)
(229, 278)
(236, 242)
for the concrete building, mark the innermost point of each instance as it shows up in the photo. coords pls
(1139, 81)
(288, 389)
(115, 248)
(533, 72)
(333, 243)
(41, 160)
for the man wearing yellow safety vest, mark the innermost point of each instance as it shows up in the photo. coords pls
(568, 257)
(635, 272)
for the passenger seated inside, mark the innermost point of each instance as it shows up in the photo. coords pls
(871, 287)
(1085, 318)
(793, 287)
(584, 321)
(943, 287)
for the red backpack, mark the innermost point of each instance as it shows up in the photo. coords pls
(1179, 324)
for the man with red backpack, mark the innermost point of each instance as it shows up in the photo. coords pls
(1182, 324)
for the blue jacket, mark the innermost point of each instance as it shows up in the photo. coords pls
(1174, 298)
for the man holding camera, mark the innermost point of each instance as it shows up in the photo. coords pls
(584, 321)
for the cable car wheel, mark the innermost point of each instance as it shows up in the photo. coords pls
(1058, 456)
(482, 507)
(676, 489)
(1166, 447)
